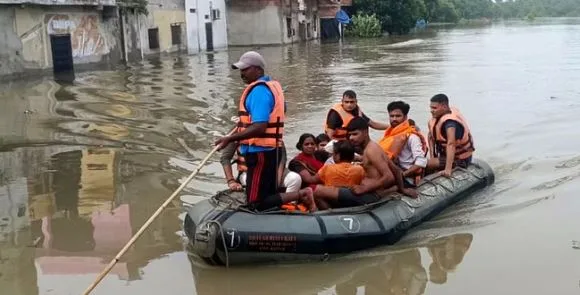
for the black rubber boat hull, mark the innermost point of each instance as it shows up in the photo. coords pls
(215, 226)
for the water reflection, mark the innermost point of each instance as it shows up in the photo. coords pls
(400, 272)
(74, 213)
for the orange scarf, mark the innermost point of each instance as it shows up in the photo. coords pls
(395, 138)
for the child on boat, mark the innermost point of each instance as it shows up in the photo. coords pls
(342, 173)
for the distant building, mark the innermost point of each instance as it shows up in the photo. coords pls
(206, 25)
(161, 31)
(330, 28)
(264, 22)
(39, 34)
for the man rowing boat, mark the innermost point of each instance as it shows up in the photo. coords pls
(260, 133)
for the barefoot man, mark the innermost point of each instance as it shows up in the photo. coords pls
(380, 174)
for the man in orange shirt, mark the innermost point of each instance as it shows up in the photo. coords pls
(341, 174)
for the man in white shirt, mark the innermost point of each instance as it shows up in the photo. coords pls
(403, 143)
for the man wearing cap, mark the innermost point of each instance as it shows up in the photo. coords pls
(260, 133)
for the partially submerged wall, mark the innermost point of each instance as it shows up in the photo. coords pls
(25, 34)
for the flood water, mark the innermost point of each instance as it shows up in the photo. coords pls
(85, 165)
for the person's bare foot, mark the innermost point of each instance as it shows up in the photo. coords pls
(307, 197)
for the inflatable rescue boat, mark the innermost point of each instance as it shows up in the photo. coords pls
(222, 231)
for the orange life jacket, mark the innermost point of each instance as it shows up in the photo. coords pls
(340, 133)
(273, 135)
(240, 161)
(438, 143)
(394, 139)
(290, 207)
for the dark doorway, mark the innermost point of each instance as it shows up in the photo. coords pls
(209, 36)
(153, 38)
(302, 31)
(62, 57)
(329, 29)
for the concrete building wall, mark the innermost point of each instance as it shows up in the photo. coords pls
(201, 14)
(25, 35)
(220, 25)
(139, 29)
(10, 45)
(263, 22)
(254, 22)
(192, 26)
(328, 8)
(303, 17)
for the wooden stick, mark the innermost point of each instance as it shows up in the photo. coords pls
(149, 221)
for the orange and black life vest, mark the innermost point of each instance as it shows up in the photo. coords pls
(438, 143)
(291, 207)
(340, 133)
(394, 139)
(240, 161)
(273, 135)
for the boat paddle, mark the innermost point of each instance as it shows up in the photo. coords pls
(150, 220)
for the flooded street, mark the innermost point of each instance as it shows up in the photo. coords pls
(85, 165)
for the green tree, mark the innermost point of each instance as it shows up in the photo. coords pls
(446, 12)
(396, 16)
(365, 26)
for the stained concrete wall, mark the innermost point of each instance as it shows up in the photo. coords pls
(26, 31)
(162, 14)
(304, 20)
(328, 8)
(263, 22)
(10, 45)
(220, 25)
(198, 14)
(254, 23)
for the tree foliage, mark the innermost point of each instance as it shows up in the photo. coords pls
(365, 26)
(396, 16)
(399, 16)
(538, 8)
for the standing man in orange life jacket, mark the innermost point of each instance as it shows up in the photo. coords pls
(260, 134)
(450, 140)
(342, 113)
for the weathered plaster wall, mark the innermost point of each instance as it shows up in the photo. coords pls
(255, 22)
(95, 39)
(328, 8)
(260, 22)
(10, 45)
(202, 13)
(220, 26)
(303, 22)
(162, 14)
(163, 19)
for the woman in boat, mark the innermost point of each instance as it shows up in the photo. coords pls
(305, 163)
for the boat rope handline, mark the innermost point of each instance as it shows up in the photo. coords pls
(223, 239)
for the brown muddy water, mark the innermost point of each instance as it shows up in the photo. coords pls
(84, 165)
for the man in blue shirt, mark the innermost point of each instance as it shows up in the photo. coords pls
(260, 133)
